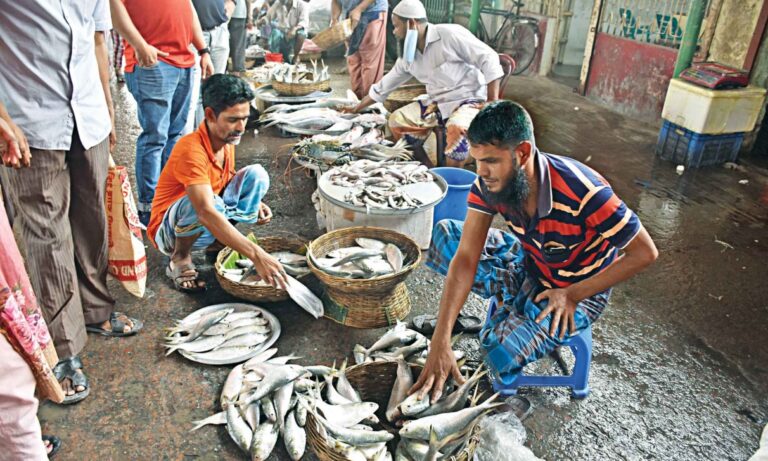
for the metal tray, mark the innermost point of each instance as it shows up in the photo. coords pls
(274, 323)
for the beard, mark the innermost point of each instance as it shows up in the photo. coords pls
(512, 195)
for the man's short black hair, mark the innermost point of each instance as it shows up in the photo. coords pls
(502, 124)
(222, 91)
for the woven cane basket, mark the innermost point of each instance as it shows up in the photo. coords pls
(333, 36)
(374, 382)
(365, 303)
(300, 89)
(259, 293)
(374, 311)
(403, 96)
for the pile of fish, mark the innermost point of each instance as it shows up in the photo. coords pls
(289, 73)
(220, 335)
(258, 405)
(354, 145)
(323, 118)
(368, 259)
(294, 264)
(400, 342)
(351, 100)
(378, 184)
(267, 398)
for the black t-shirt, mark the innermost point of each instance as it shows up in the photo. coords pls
(210, 12)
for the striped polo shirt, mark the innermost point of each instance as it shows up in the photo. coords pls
(579, 226)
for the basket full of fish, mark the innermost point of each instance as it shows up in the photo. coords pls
(414, 428)
(291, 80)
(363, 270)
(237, 277)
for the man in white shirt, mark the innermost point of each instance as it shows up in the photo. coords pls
(460, 72)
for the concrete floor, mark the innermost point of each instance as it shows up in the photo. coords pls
(680, 356)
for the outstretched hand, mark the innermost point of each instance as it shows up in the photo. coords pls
(441, 364)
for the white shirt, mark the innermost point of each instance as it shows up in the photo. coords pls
(298, 15)
(49, 78)
(455, 66)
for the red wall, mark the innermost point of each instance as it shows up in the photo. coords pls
(630, 76)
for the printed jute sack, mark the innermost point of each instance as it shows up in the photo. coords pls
(127, 256)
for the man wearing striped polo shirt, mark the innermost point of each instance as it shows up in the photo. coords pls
(553, 273)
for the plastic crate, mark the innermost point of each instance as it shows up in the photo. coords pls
(694, 150)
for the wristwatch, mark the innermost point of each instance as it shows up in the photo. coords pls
(203, 51)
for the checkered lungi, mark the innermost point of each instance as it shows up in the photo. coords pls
(510, 336)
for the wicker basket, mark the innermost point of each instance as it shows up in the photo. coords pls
(300, 89)
(375, 311)
(374, 382)
(333, 36)
(365, 303)
(403, 96)
(259, 293)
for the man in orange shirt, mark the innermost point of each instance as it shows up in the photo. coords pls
(199, 192)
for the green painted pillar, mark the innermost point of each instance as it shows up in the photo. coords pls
(690, 36)
(474, 17)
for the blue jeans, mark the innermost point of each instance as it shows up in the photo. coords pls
(162, 93)
(239, 201)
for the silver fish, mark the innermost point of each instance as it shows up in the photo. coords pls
(351, 436)
(294, 437)
(282, 399)
(344, 387)
(290, 259)
(217, 419)
(252, 414)
(227, 353)
(321, 370)
(297, 272)
(232, 386)
(394, 257)
(261, 329)
(304, 385)
(278, 377)
(190, 332)
(235, 316)
(457, 399)
(417, 449)
(250, 339)
(223, 327)
(397, 336)
(260, 358)
(413, 405)
(403, 383)
(422, 343)
(268, 409)
(371, 451)
(348, 414)
(238, 429)
(304, 297)
(356, 256)
(264, 441)
(244, 263)
(332, 395)
(371, 244)
(446, 424)
(301, 415)
(347, 451)
(202, 344)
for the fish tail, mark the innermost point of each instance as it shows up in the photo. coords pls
(171, 349)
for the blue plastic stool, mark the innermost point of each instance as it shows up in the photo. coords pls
(578, 381)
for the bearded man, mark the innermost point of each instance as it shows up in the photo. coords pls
(553, 273)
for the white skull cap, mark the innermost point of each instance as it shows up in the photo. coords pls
(410, 9)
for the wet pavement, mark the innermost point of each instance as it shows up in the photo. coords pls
(680, 366)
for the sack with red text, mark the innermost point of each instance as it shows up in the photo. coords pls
(127, 256)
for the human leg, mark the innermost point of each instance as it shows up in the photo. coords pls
(372, 53)
(244, 193)
(153, 89)
(298, 42)
(237, 44)
(20, 435)
(456, 143)
(219, 45)
(180, 104)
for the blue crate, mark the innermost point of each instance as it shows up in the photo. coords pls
(694, 150)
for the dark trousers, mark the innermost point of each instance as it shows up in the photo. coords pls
(237, 43)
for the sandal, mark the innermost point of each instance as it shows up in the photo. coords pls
(116, 326)
(426, 324)
(68, 369)
(178, 277)
(54, 442)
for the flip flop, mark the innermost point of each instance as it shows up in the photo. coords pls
(177, 277)
(116, 326)
(426, 324)
(55, 444)
(67, 368)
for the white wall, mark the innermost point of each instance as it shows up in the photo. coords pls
(577, 33)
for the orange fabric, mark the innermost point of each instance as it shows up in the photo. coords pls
(366, 67)
(192, 162)
(166, 25)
